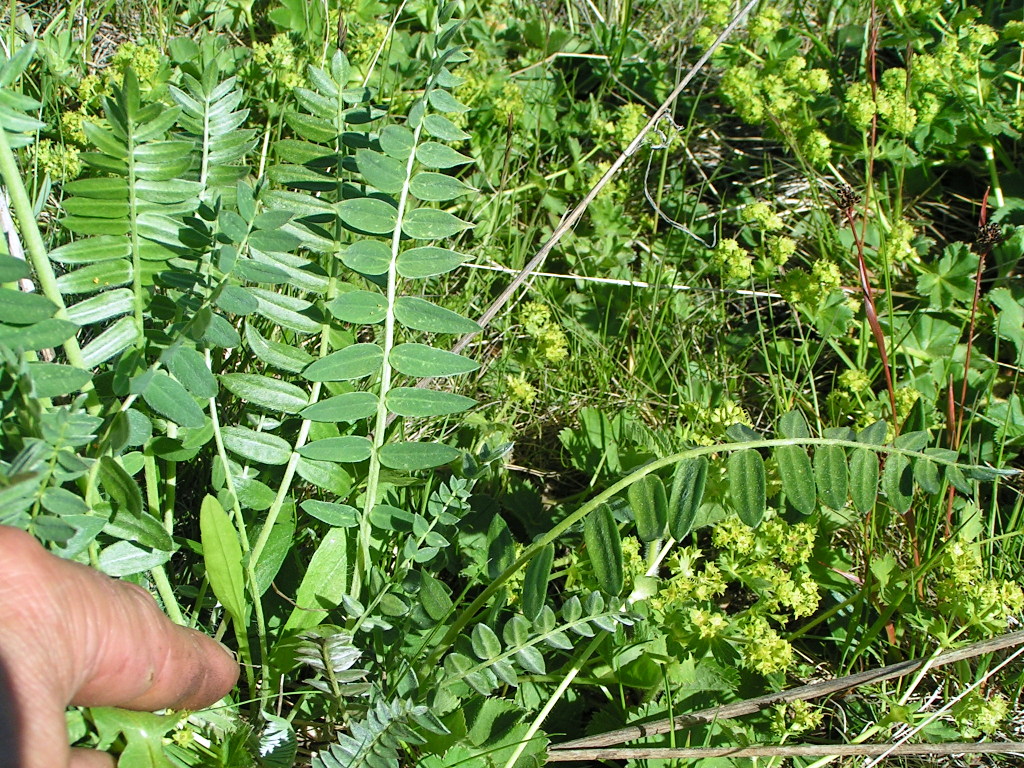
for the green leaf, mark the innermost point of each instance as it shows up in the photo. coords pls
(222, 554)
(797, 477)
(367, 257)
(435, 155)
(172, 401)
(353, 362)
(397, 141)
(381, 171)
(12, 269)
(42, 335)
(266, 392)
(189, 367)
(367, 214)
(274, 353)
(360, 307)
(898, 482)
(873, 434)
(747, 485)
(118, 337)
(422, 315)
(423, 361)
(55, 379)
(414, 402)
(335, 515)
(427, 261)
(604, 548)
(92, 249)
(432, 224)
(120, 486)
(95, 277)
(434, 598)
(347, 408)
(440, 127)
(288, 311)
(255, 446)
(863, 479)
(484, 642)
(21, 308)
(237, 300)
(347, 450)
(535, 583)
(122, 558)
(687, 493)
(437, 187)
(650, 507)
(443, 101)
(325, 582)
(926, 475)
(830, 475)
(412, 456)
(793, 425)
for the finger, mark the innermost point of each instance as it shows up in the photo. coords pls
(32, 731)
(90, 758)
(138, 659)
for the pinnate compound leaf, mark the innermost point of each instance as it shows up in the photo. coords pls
(830, 475)
(348, 407)
(422, 315)
(604, 547)
(222, 554)
(172, 401)
(427, 261)
(797, 477)
(687, 493)
(412, 456)
(432, 224)
(417, 403)
(423, 361)
(353, 362)
(747, 486)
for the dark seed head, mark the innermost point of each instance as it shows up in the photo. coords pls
(988, 237)
(846, 196)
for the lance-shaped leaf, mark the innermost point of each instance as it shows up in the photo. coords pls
(650, 507)
(412, 456)
(344, 408)
(422, 315)
(427, 261)
(222, 555)
(418, 403)
(604, 548)
(424, 361)
(687, 493)
(360, 307)
(353, 362)
(747, 485)
(797, 477)
(830, 475)
(347, 450)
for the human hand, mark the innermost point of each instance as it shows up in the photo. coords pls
(70, 635)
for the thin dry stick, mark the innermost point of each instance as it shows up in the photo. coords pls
(569, 221)
(795, 750)
(801, 693)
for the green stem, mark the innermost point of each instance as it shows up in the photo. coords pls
(34, 242)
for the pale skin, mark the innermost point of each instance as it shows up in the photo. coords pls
(70, 635)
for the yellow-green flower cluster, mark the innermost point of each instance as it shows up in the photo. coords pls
(549, 338)
(716, 15)
(765, 651)
(795, 718)
(279, 60)
(709, 624)
(689, 583)
(732, 262)
(761, 215)
(520, 390)
(969, 594)
(810, 290)
(976, 715)
(897, 247)
(509, 100)
(144, 60)
(72, 126)
(364, 40)
(790, 543)
(854, 380)
(92, 87)
(60, 162)
(780, 250)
